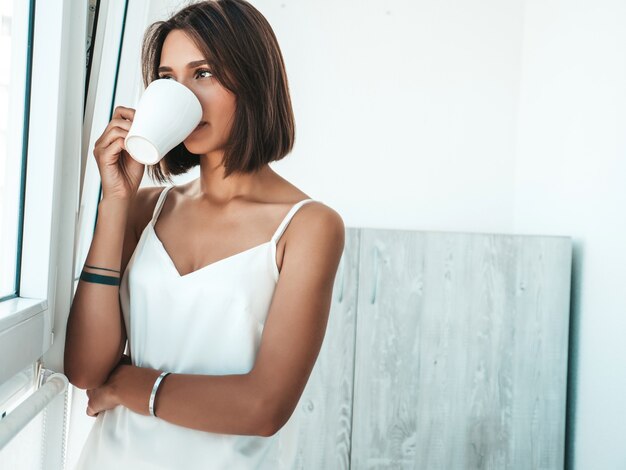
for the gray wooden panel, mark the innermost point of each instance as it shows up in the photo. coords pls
(324, 412)
(461, 351)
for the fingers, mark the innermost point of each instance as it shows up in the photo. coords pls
(111, 136)
(118, 126)
(119, 172)
(90, 410)
(123, 112)
(107, 154)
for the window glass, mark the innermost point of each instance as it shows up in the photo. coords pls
(14, 60)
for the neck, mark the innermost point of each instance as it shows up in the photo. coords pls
(212, 187)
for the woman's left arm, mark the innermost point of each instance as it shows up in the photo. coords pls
(261, 401)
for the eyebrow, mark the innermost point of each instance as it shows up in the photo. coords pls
(190, 65)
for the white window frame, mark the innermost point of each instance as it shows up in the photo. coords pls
(55, 122)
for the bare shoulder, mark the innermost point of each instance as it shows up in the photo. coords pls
(314, 220)
(320, 225)
(315, 213)
(143, 206)
(314, 245)
(312, 212)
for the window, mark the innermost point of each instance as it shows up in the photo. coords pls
(15, 56)
(41, 114)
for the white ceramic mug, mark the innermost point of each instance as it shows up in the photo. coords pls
(165, 115)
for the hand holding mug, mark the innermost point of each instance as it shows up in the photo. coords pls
(120, 174)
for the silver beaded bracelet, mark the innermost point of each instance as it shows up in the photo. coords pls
(154, 391)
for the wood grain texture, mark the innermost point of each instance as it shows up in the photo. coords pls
(324, 412)
(461, 351)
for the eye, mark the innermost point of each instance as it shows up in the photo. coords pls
(197, 72)
(203, 71)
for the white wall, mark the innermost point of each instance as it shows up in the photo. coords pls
(481, 116)
(405, 111)
(571, 178)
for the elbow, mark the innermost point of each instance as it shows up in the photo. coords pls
(267, 429)
(85, 374)
(77, 382)
(83, 382)
(272, 416)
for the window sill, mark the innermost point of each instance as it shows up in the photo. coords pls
(23, 338)
(19, 309)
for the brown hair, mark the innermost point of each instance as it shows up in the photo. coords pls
(243, 55)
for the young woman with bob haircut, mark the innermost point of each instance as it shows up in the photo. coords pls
(222, 285)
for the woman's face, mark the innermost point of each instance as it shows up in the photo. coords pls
(218, 103)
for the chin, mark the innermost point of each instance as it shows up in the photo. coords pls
(194, 145)
(199, 150)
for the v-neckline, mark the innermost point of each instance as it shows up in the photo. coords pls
(205, 267)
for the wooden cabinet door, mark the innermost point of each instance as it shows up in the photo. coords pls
(461, 351)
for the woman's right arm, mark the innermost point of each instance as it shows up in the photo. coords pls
(95, 334)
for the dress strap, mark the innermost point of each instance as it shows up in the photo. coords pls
(159, 204)
(283, 225)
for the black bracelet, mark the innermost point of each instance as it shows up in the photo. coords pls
(100, 279)
(105, 269)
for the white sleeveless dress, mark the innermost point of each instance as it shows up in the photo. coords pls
(209, 321)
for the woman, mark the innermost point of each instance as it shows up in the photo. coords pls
(224, 282)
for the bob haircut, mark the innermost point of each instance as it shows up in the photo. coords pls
(243, 55)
